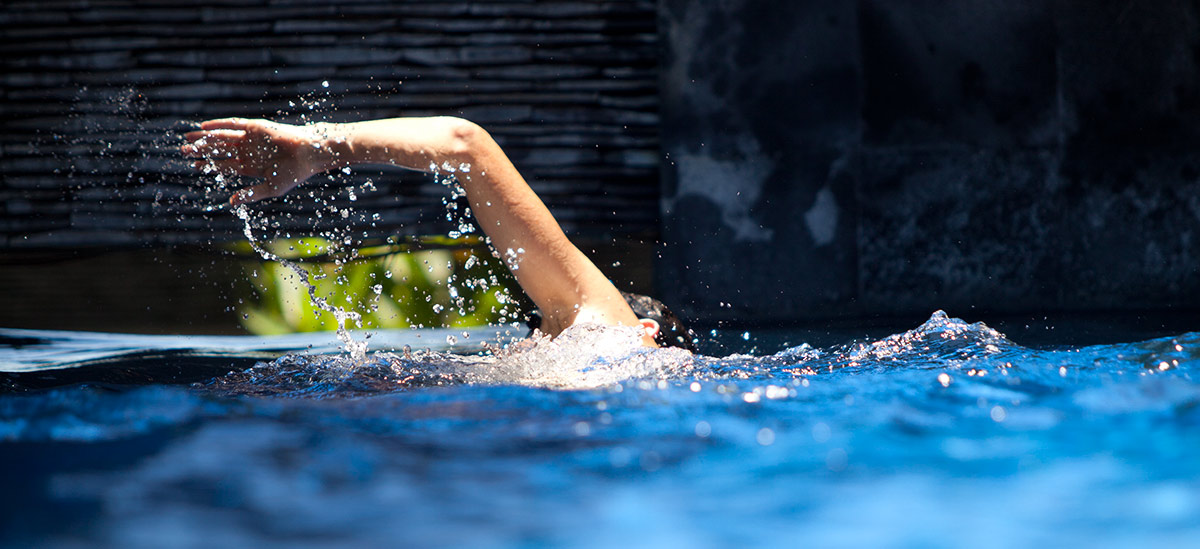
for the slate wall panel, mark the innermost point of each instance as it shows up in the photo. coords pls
(94, 97)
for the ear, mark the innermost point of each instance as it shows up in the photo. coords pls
(651, 327)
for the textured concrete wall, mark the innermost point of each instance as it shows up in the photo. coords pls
(94, 97)
(894, 157)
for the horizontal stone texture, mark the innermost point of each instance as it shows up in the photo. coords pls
(1003, 156)
(94, 97)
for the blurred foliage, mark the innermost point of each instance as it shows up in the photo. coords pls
(456, 287)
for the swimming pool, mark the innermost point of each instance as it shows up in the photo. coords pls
(947, 434)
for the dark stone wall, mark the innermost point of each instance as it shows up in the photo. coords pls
(817, 159)
(895, 157)
(95, 95)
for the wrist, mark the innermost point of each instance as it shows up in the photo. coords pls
(327, 149)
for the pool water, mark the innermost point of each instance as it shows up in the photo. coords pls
(948, 434)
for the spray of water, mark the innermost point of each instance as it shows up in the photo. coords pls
(357, 349)
(342, 237)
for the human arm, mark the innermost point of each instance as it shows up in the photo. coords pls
(566, 286)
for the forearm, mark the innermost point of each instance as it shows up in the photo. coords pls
(415, 143)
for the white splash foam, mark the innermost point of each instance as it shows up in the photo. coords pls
(586, 356)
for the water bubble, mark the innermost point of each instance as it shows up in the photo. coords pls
(821, 433)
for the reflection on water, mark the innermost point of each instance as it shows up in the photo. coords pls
(947, 434)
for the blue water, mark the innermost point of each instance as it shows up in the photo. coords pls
(946, 435)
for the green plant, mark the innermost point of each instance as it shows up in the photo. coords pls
(465, 286)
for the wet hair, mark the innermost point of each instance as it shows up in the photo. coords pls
(671, 331)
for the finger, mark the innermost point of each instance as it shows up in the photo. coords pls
(214, 135)
(227, 167)
(225, 124)
(210, 166)
(255, 193)
(206, 149)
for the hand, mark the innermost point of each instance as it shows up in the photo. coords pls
(283, 154)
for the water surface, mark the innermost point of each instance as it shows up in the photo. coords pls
(948, 434)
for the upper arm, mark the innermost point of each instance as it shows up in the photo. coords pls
(566, 286)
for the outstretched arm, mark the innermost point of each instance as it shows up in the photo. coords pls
(566, 286)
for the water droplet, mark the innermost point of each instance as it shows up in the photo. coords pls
(821, 433)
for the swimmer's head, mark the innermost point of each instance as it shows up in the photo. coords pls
(670, 331)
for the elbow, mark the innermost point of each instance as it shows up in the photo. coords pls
(465, 137)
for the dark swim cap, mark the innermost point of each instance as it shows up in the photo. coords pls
(671, 331)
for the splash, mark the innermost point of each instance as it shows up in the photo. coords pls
(584, 356)
(357, 349)
(589, 356)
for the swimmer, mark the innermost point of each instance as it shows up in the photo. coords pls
(565, 285)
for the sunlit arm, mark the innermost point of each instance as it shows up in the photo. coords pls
(566, 286)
